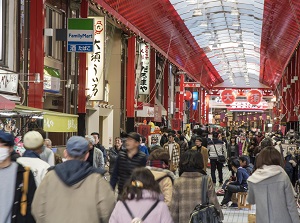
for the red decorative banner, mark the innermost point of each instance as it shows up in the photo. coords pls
(254, 97)
(228, 97)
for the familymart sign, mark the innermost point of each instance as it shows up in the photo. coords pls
(80, 35)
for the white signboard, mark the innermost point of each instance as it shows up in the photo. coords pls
(146, 112)
(95, 62)
(8, 82)
(145, 68)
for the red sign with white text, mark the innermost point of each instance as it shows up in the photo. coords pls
(254, 97)
(228, 97)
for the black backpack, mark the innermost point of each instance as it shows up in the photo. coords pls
(205, 212)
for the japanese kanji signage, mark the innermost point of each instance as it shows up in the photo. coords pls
(80, 35)
(95, 62)
(228, 97)
(254, 97)
(145, 68)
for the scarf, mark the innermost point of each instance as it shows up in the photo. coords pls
(157, 164)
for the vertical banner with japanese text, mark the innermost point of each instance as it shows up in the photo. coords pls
(95, 62)
(145, 68)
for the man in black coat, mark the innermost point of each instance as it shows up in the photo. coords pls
(127, 161)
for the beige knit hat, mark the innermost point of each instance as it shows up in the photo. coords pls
(33, 140)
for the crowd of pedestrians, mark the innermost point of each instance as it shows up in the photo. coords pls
(131, 182)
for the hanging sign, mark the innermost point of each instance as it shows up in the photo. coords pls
(145, 68)
(80, 35)
(8, 82)
(95, 62)
(228, 97)
(254, 97)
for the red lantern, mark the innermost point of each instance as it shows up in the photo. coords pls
(254, 97)
(188, 96)
(228, 97)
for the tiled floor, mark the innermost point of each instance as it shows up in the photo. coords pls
(233, 215)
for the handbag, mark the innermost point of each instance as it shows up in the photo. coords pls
(140, 220)
(205, 212)
(221, 158)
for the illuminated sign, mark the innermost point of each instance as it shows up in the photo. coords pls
(228, 97)
(246, 106)
(254, 97)
(95, 62)
(145, 68)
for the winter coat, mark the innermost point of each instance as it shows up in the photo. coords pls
(160, 214)
(229, 150)
(48, 156)
(204, 152)
(271, 190)
(103, 150)
(124, 167)
(113, 155)
(16, 216)
(183, 147)
(73, 192)
(216, 145)
(175, 157)
(187, 194)
(166, 179)
(38, 167)
(163, 140)
(99, 160)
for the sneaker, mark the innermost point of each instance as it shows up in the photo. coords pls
(234, 205)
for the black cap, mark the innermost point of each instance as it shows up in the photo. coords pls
(134, 136)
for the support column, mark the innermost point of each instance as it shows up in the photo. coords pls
(130, 84)
(152, 85)
(166, 88)
(35, 91)
(82, 79)
(207, 109)
(181, 97)
(202, 111)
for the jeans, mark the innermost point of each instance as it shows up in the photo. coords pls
(231, 189)
(214, 164)
(252, 160)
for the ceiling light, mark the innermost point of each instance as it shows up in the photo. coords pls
(197, 12)
(234, 12)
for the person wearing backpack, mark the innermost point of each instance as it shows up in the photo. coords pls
(158, 164)
(17, 185)
(141, 201)
(187, 189)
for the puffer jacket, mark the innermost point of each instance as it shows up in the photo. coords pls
(124, 167)
(165, 179)
(73, 191)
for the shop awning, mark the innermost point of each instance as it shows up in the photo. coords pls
(52, 121)
(6, 104)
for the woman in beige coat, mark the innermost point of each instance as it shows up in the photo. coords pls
(158, 165)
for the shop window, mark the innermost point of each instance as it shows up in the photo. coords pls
(54, 19)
